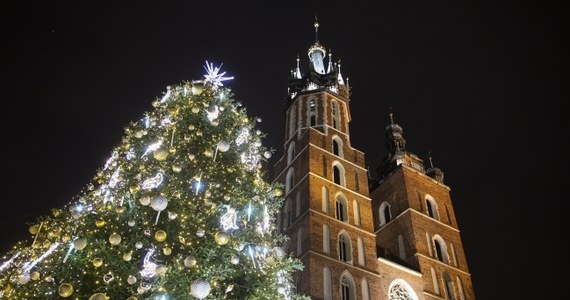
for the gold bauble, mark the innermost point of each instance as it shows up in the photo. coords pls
(36, 276)
(34, 229)
(97, 262)
(208, 153)
(167, 250)
(127, 256)
(80, 243)
(134, 188)
(173, 111)
(100, 223)
(160, 154)
(139, 134)
(56, 212)
(99, 296)
(161, 270)
(221, 238)
(120, 209)
(65, 290)
(160, 236)
(278, 192)
(115, 239)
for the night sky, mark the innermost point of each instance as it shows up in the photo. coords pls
(480, 84)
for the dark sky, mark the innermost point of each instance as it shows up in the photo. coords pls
(480, 84)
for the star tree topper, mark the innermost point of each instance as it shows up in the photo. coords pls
(214, 76)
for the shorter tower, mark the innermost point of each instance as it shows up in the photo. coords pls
(415, 221)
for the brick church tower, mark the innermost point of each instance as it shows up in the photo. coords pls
(394, 238)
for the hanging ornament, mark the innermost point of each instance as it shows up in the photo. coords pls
(159, 203)
(172, 215)
(152, 182)
(229, 219)
(127, 256)
(161, 270)
(167, 251)
(160, 236)
(190, 262)
(200, 288)
(36, 276)
(99, 296)
(80, 243)
(138, 245)
(65, 290)
(24, 279)
(176, 168)
(100, 223)
(132, 279)
(160, 154)
(234, 260)
(131, 223)
(134, 188)
(221, 238)
(267, 154)
(97, 262)
(108, 277)
(200, 232)
(115, 239)
(145, 200)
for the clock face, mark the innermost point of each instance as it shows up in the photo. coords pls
(399, 292)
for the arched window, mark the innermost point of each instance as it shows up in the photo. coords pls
(435, 281)
(341, 208)
(440, 249)
(312, 112)
(287, 218)
(401, 248)
(326, 238)
(356, 208)
(335, 115)
(431, 206)
(449, 286)
(290, 152)
(325, 203)
(460, 287)
(289, 180)
(337, 146)
(401, 290)
(292, 120)
(365, 289)
(347, 287)
(299, 241)
(338, 173)
(327, 283)
(361, 257)
(384, 213)
(344, 247)
(298, 204)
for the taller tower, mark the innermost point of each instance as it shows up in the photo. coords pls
(334, 224)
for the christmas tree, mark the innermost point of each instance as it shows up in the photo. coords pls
(180, 210)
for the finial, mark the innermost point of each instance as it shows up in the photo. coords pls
(391, 116)
(316, 24)
(430, 161)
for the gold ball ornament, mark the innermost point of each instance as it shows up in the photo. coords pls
(80, 243)
(36, 276)
(65, 290)
(160, 236)
(167, 251)
(176, 168)
(278, 192)
(120, 209)
(97, 262)
(197, 89)
(115, 239)
(160, 154)
(99, 296)
(190, 262)
(127, 256)
(134, 188)
(221, 238)
(132, 279)
(100, 223)
(139, 134)
(34, 229)
(161, 270)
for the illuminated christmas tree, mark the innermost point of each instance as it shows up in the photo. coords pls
(180, 210)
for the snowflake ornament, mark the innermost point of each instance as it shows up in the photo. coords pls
(214, 76)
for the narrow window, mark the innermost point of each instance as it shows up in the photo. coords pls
(365, 289)
(325, 204)
(361, 257)
(346, 289)
(435, 281)
(313, 112)
(344, 248)
(341, 208)
(356, 208)
(402, 250)
(298, 205)
(326, 239)
(327, 283)
(289, 180)
(290, 152)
